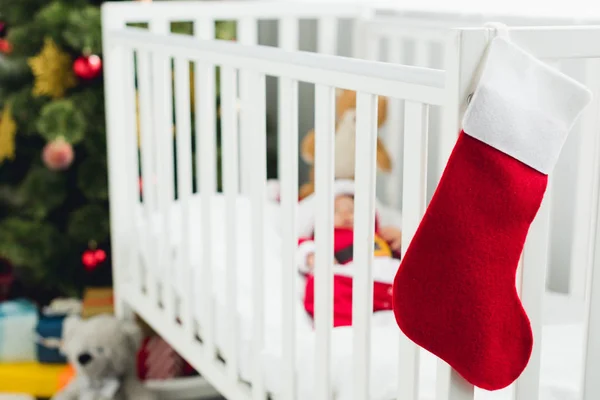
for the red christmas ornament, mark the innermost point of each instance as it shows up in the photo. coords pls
(100, 256)
(88, 260)
(5, 46)
(93, 257)
(87, 67)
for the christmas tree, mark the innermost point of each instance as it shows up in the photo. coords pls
(53, 184)
(54, 223)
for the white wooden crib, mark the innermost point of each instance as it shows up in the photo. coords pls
(234, 312)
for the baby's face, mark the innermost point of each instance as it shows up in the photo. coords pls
(343, 212)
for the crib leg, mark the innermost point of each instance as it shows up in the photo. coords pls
(122, 309)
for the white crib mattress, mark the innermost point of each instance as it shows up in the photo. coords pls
(561, 351)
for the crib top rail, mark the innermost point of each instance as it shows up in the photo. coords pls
(549, 42)
(136, 12)
(409, 27)
(419, 84)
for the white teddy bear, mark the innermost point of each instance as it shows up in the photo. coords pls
(103, 351)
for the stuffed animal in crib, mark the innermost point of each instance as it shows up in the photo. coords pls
(344, 141)
(102, 350)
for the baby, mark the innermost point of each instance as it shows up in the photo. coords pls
(388, 239)
(387, 244)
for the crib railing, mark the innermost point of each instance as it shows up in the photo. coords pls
(152, 293)
(142, 60)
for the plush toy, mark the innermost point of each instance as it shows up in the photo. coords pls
(344, 141)
(102, 350)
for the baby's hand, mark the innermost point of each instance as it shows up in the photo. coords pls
(310, 261)
(393, 236)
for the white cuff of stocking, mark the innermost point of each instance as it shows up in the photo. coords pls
(523, 107)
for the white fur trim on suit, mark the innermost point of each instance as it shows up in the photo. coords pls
(523, 107)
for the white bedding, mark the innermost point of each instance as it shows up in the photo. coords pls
(561, 356)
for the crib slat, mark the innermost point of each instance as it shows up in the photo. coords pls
(372, 51)
(163, 128)
(413, 208)
(159, 25)
(587, 180)
(162, 117)
(460, 66)
(121, 129)
(450, 385)
(131, 174)
(230, 185)
(184, 188)
(247, 34)
(288, 33)
(591, 366)
(394, 133)
(421, 53)
(289, 197)
(288, 40)
(535, 265)
(324, 173)
(206, 159)
(327, 35)
(364, 227)
(359, 27)
(259, 198)
(247, 31)
(149, 179)
(591, 383)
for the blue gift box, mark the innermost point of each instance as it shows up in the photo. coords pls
(49, 334)
(18, 319)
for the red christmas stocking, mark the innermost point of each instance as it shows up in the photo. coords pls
(454, 292)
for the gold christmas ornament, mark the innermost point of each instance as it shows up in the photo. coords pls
(53, 71)
(8, 130)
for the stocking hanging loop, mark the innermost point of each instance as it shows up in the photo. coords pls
(499, 29)
(495, 29)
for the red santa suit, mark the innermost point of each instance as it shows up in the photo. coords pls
(342, 283)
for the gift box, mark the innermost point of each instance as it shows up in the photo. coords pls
(97, 301)
(48, 339)
(35, 379)
(18, 319)
(49, 329)
(158, 361)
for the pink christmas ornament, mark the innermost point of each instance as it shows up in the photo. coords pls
(58, 155)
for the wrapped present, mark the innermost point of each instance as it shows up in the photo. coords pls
(49, 329)
(48, 338)
(97, 301)
(157, 360)
(18, 319)
(35, 379)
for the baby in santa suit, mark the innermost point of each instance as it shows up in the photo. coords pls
(387, 245)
